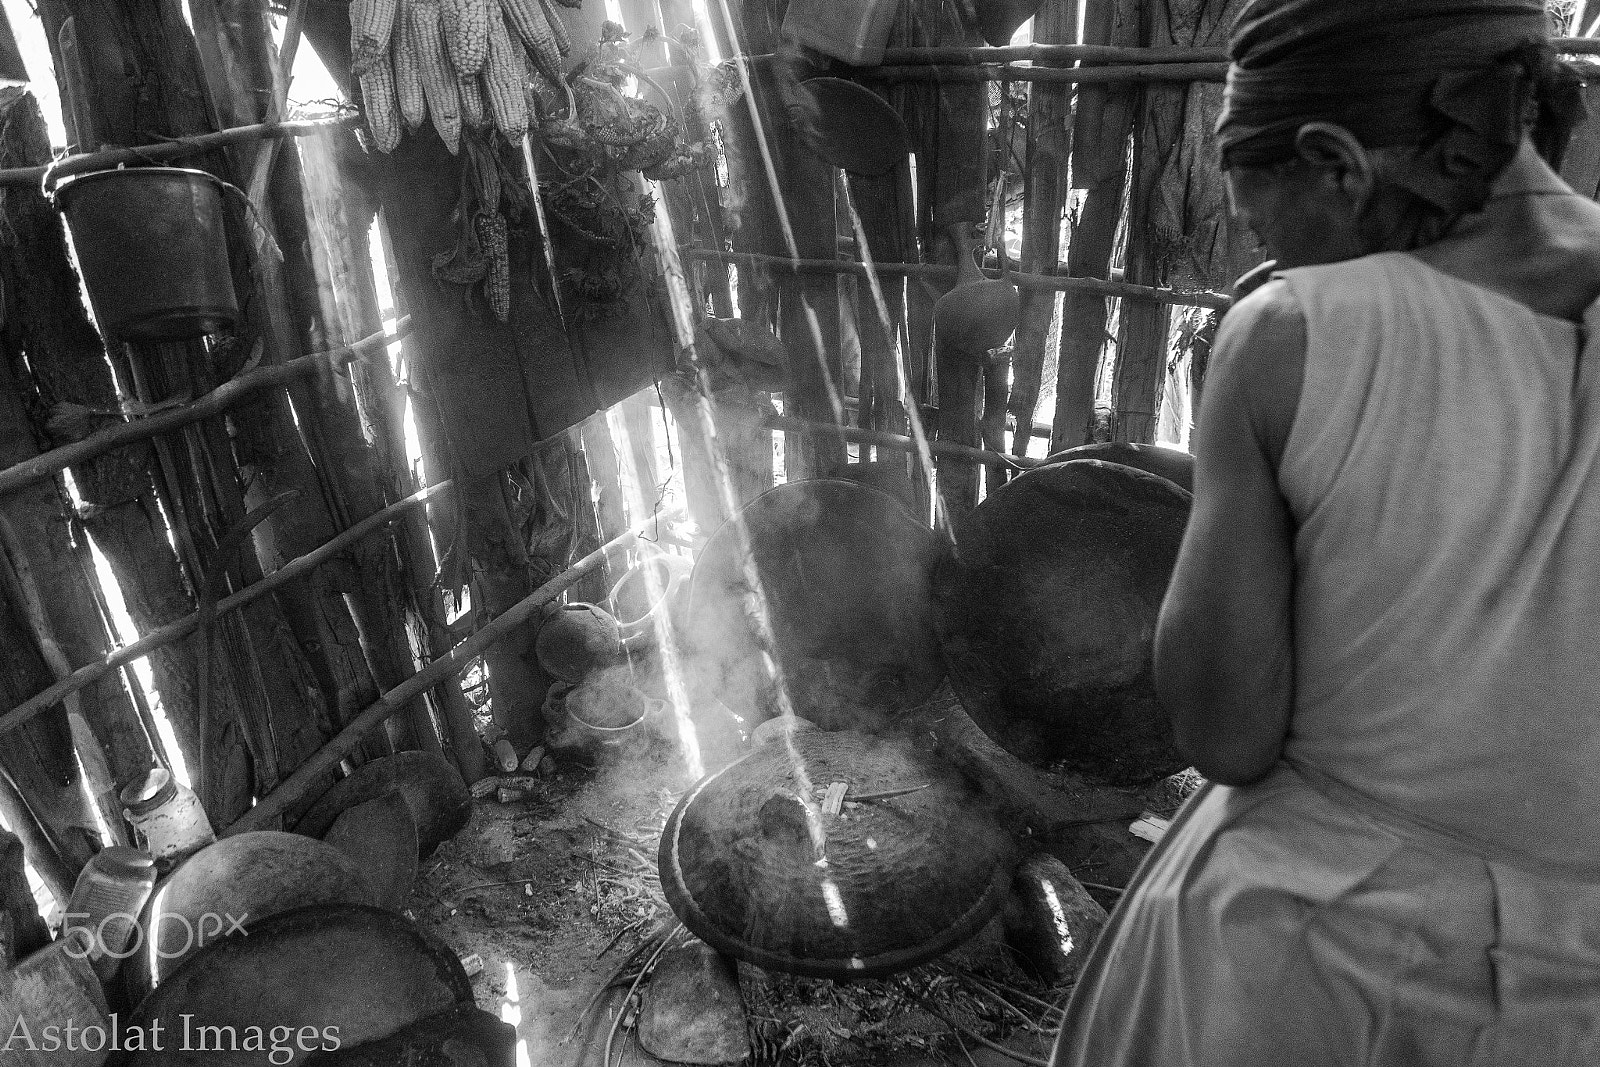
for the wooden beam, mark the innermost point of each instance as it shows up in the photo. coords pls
(181, 628)
(1097, 286)
(228, 395)
(84, 162)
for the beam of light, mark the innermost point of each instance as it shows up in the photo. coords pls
(1058, 917)
(743, 66)
(511, 1013)
(835, 904)
(755, 607)
(906, 398)
(636, 509)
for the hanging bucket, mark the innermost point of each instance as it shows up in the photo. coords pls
(152, 248)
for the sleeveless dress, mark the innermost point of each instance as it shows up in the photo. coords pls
(1417, 882)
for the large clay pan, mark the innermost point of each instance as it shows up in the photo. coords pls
(1047, 611)
(366, 971)
(440, 802)
(875, 889)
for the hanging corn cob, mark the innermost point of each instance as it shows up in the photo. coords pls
(379, 106)
(527, 18)
(574, 4)
(474, 114)
(438, 80)
(558, 29)
(503, 78)
(491, 232)
(408, 70)
(466, 33)
(371, 26)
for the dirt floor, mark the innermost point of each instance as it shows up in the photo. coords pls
(554, 892)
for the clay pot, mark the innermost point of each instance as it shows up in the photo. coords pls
(980, 313)
(843, 570)
(1048, 617)
(365, 971)
(577, 639)
(753, 865)
(240, 880)
(439, 800)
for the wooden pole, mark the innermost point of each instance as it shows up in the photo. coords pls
(298, 787)
(224, 397)
(1049, 153)
(181, 628)
(1096, 286)
(1101, 125)
(166, 151)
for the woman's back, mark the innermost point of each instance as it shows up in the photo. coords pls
(1443, 472)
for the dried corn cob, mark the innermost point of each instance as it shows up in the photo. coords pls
(371, 26)
(526, 17)
(438, 80)
(474, 115)
(408, 71)
(379, 106)
(466, 33)
(574, 4)
(558, 29)
(503, 77)
(491, 230)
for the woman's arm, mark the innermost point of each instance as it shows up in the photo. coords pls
(1224, 651)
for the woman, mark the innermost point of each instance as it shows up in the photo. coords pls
(1382, 641)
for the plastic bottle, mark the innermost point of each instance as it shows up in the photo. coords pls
(106, 902)
(167, 817)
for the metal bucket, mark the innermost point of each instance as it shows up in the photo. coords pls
(152, 247)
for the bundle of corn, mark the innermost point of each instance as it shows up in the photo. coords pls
(462, 63)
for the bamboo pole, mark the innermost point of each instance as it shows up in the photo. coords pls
(296, 788)
(1125, 55)
(1131, 72)
(85, 162)
(181, 628)
(225, 396)
(1097, 286)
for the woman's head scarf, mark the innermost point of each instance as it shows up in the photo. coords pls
(1454, 80)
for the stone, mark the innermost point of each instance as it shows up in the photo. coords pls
(1051, 920)
(691, 1011)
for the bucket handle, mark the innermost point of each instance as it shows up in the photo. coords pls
(261, 237)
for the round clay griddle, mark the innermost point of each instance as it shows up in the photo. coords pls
(1176, 467)
(440, 802)
(238, 881)
(844, 570)
(380, 838)
(1047, 610)
(754, 867)
(366, 971)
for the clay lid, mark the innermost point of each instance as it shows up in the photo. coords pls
(1048, 617)
(754, 864)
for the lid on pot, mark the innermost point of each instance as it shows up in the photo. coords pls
(767, 862)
